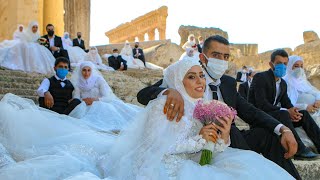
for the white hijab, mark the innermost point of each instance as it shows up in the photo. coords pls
(87, 84)
(66, 42)
(126, 50)
(17, 34)
(93, 56)
(296, 85)
(29, 35)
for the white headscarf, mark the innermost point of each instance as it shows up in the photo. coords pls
(80, 82)
(17, 34)
(66, 42)
(189, 43)
(126, 50)
(29, 35)
(174, 74)
(296, 85)
(93, 56)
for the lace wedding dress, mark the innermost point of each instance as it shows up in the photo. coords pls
(41, 144)
(153, 148)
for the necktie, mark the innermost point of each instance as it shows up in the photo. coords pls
(214, 90)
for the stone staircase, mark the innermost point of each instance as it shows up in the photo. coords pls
(125, 85)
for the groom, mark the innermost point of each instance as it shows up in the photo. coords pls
(55, 93)
(266, 135)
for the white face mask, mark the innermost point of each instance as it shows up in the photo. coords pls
(115, 54)
(216, 67)
(297, 72)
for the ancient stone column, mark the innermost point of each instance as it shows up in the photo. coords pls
(77, 19)
(141, 37)
(151, 35)
(53, 14)
(162, 34)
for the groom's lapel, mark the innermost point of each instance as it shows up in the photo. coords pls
(226, 92)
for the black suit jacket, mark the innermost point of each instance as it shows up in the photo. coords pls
(57, 43)
(246, 111)
(115, 63)
(239, 74)
(199, 48)
(76, 43)
(134, 52)
(262, 92)
(244, 90)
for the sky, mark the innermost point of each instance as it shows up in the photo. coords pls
(269, 23)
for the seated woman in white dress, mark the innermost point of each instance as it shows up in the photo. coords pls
(17, 36)
(134, 63)
(301, 93)
(76, 54)
(154, 148)
(42, 144)
(27, 54)
(190, 54)
(95, 58)
(19, 33)
(100, 109)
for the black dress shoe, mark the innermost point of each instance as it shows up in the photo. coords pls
(307, 154)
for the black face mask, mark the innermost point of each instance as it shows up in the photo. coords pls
(79, 36)
(136, 46)
(51, 32)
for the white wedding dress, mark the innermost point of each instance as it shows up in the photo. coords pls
(41, 144)
(302, 94)
(107, 114)
(153, 148)
(26, 54)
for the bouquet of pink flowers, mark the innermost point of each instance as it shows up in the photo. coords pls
(207, 113)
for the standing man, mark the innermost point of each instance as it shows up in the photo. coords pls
(79, 42)
(138, 53)
(244, 87)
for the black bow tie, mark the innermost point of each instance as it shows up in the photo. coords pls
(64, 81)
(214, 90)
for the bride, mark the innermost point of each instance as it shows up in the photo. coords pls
(95, 58)
(26, 54)
(41, 144)
(302, 94)
(76, 54)
(100, 109)
(154, 148)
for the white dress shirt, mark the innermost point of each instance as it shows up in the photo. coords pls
(45, 84)
(51, 41)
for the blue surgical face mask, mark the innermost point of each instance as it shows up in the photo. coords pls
(279, 70)
(66, 36)
(62, 73)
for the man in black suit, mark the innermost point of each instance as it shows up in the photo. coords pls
(79, 42)
(268, 92)
(263, 136)
(138, 53)
(55, 44)
(244, 87)
(116, 62)
(200, 45)
(242, 75)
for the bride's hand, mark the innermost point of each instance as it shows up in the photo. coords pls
(224, 128)
(209, 133)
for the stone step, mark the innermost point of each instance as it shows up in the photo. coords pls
(17, 85)
(28, 80)
(20, 74)
(19, 92)
(308, 170)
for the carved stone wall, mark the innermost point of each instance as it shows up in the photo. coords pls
(140, 26)
(77, 19)
(185, 31)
